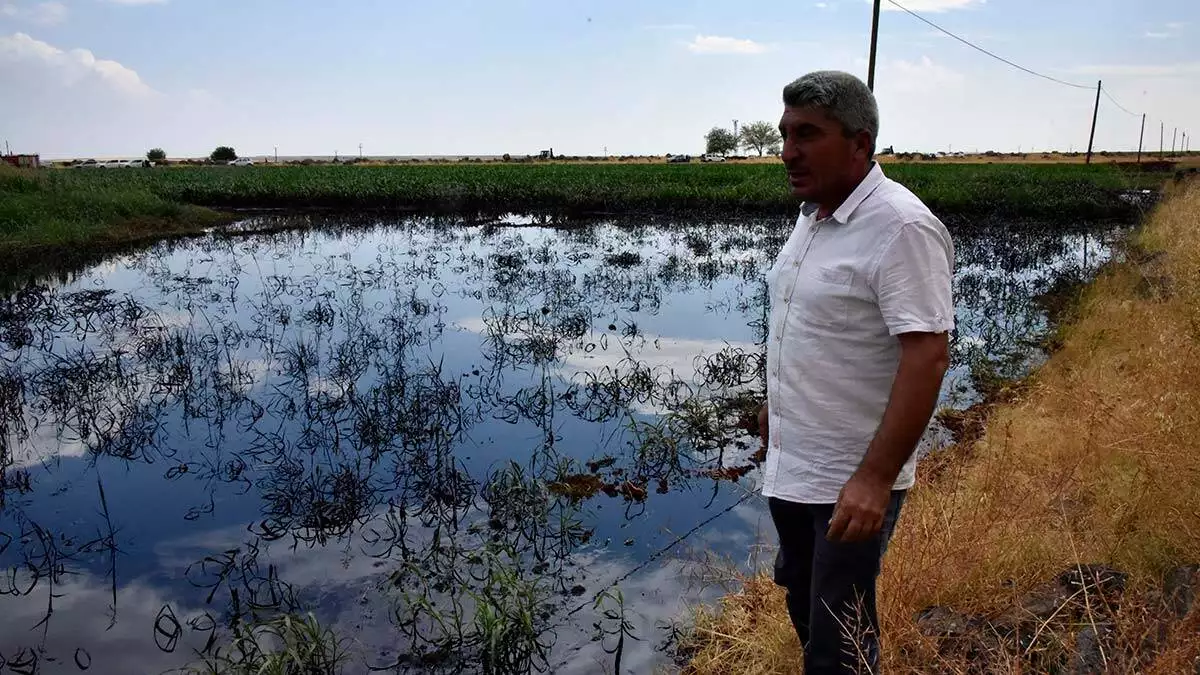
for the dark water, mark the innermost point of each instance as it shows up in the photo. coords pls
(375, 424)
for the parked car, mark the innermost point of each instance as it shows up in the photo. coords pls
(112, 164)
(712, 158)
(242, 161)
(679, 159)
(87, 164)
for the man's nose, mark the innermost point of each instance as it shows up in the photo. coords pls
(790, 152)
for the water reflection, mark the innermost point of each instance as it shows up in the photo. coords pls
(462, 447)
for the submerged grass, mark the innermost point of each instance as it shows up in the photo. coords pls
(287, 645)
(1092, 462)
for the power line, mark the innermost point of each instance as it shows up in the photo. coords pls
(991, 54)
(1126, 110)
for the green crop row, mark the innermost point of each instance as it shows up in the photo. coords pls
(1045, 190)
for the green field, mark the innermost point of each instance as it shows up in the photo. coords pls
(63, 209)
(1033, 190)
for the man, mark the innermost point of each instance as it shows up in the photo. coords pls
(857, 348)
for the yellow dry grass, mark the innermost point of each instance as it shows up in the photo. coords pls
(1095, 462)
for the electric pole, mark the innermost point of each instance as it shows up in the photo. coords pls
(735, 130)
(360, 150)
(1162, 126)
(1141, 136)
(1095, 114)
(277, 154)
(874, 42)
(1173, 135)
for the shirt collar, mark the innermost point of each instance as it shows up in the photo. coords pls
(872, 180)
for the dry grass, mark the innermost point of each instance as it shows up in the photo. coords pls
(1094, 462)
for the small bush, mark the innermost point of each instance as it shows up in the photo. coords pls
(223, 153)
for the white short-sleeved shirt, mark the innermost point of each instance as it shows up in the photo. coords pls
(841, 290)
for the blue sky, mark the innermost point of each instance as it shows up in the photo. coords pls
(115, 77)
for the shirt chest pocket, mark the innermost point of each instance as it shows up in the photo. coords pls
(823, 296)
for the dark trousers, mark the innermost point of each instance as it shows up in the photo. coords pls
(831, 586)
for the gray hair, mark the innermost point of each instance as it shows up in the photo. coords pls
(843, 96)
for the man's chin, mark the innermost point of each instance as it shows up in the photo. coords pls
(804, 194)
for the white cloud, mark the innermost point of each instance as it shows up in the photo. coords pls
(822, 5)
(72, 67)
(42, 13)
(714, 44)
(932, 5)
(138, 2)
(669, 26)
(920, 77)
(1172, 29)
(1142, 70)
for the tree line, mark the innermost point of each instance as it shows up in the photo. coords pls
(760, 136)
(223, 153)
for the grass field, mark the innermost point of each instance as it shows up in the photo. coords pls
(1046, 190)
(1091, 461)
(64, 215)
(48, 225)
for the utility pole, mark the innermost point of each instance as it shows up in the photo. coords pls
(874, 42)
(1095, 113)
(1141, 136)
(1162, 126)
(6, 150)
(1173, 135)
(360, 150)
(277, 154)
(735, 130)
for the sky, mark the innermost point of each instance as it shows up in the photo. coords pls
(113, 78)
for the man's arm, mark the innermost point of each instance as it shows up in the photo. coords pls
(763, 421)
(924, 358)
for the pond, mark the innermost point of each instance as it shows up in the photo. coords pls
(517, 442)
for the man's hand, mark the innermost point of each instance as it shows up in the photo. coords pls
(860, 510)
(763, 431)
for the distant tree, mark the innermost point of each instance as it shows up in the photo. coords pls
(223, 153)
(157, 155)
(760, 135)
(719, 141)
(774, 151)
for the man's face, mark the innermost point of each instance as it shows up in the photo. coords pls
(821, 161)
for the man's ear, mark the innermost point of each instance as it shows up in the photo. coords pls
(863, 143)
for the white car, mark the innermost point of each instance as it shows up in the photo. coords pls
(242, 161)
(712, 158)
(111, 164)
